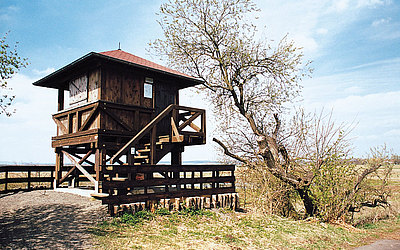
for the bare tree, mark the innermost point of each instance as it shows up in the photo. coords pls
(248, 80)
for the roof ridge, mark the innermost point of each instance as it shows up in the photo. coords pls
(129, 57)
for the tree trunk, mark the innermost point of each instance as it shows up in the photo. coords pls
(308, 201)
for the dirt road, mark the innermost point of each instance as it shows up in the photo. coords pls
(48, 219)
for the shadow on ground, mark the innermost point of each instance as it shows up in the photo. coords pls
(55, 226)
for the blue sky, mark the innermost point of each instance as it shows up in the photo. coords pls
(354, 46)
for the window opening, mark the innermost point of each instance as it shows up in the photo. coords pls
(148, 87)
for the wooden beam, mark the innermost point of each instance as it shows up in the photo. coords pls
(60, 100)
(58, 167)
(60, 126)
(89, 119)
(175, 132)
(82, 159)
(121, 199)
(82, 169)
(189, 121)
(153, 141)
(66, 176)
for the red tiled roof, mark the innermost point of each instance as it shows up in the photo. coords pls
(125, 56)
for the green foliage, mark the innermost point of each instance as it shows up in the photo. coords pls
(136, 218)
(331, 187)
(10, 64)
(162, 211)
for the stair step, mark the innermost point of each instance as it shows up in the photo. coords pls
(166, 139)
(178, 138)
(145, 150)
(157, 143)
(141, 157)
(119, 179)
(99, 195)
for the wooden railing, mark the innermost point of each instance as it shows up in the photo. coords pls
(180, 118)
(83, 118)
(155, 182)
(25, 177)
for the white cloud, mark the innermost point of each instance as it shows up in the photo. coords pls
(341, 5)
(26, 135)
(322, 31)
(313, 25)
(379, 22)
(45, 72)
(372, 3)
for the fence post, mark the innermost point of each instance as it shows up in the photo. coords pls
(52, 177)
(6, 183)
(29, 178)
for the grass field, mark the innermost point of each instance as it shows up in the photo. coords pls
(225, 229)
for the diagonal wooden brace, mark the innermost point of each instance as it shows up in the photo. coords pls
(175, 133)
(82, 169)
(83, 159)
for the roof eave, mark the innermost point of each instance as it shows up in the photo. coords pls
(42, 82)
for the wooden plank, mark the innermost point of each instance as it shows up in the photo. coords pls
(165, 181)
(21, 168)
(116, 118)
(73, 110)
(89, 120)
(123, 199)
(168, 168)
(75, 141)
(26, 180)
(61, 126)
(189, 121)
(176, 137)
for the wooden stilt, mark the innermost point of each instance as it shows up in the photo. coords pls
(59, 166)
(100, 158)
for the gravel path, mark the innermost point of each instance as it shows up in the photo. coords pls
(48, 219)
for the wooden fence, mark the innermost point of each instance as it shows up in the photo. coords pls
(26, 177)
(149, 184)
(133, 184)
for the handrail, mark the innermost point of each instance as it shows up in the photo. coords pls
(142, 133)
(154, 122)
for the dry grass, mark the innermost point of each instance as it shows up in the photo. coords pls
(224, 229)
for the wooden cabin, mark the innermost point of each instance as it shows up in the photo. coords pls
(125, 111)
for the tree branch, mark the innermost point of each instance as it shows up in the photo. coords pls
(228, 153)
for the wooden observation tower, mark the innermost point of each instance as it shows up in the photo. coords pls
(121, 118)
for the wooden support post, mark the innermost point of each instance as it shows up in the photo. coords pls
(70, 123)
(29, 179)
(59, 166)
(153, 141)
(60, 100)
(203, 126)
(100, 157)
(5, 184)
(78, 120)
(176, 159)
(52, 177)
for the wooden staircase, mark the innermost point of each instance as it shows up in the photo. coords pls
(150, 147)
(143, 152)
